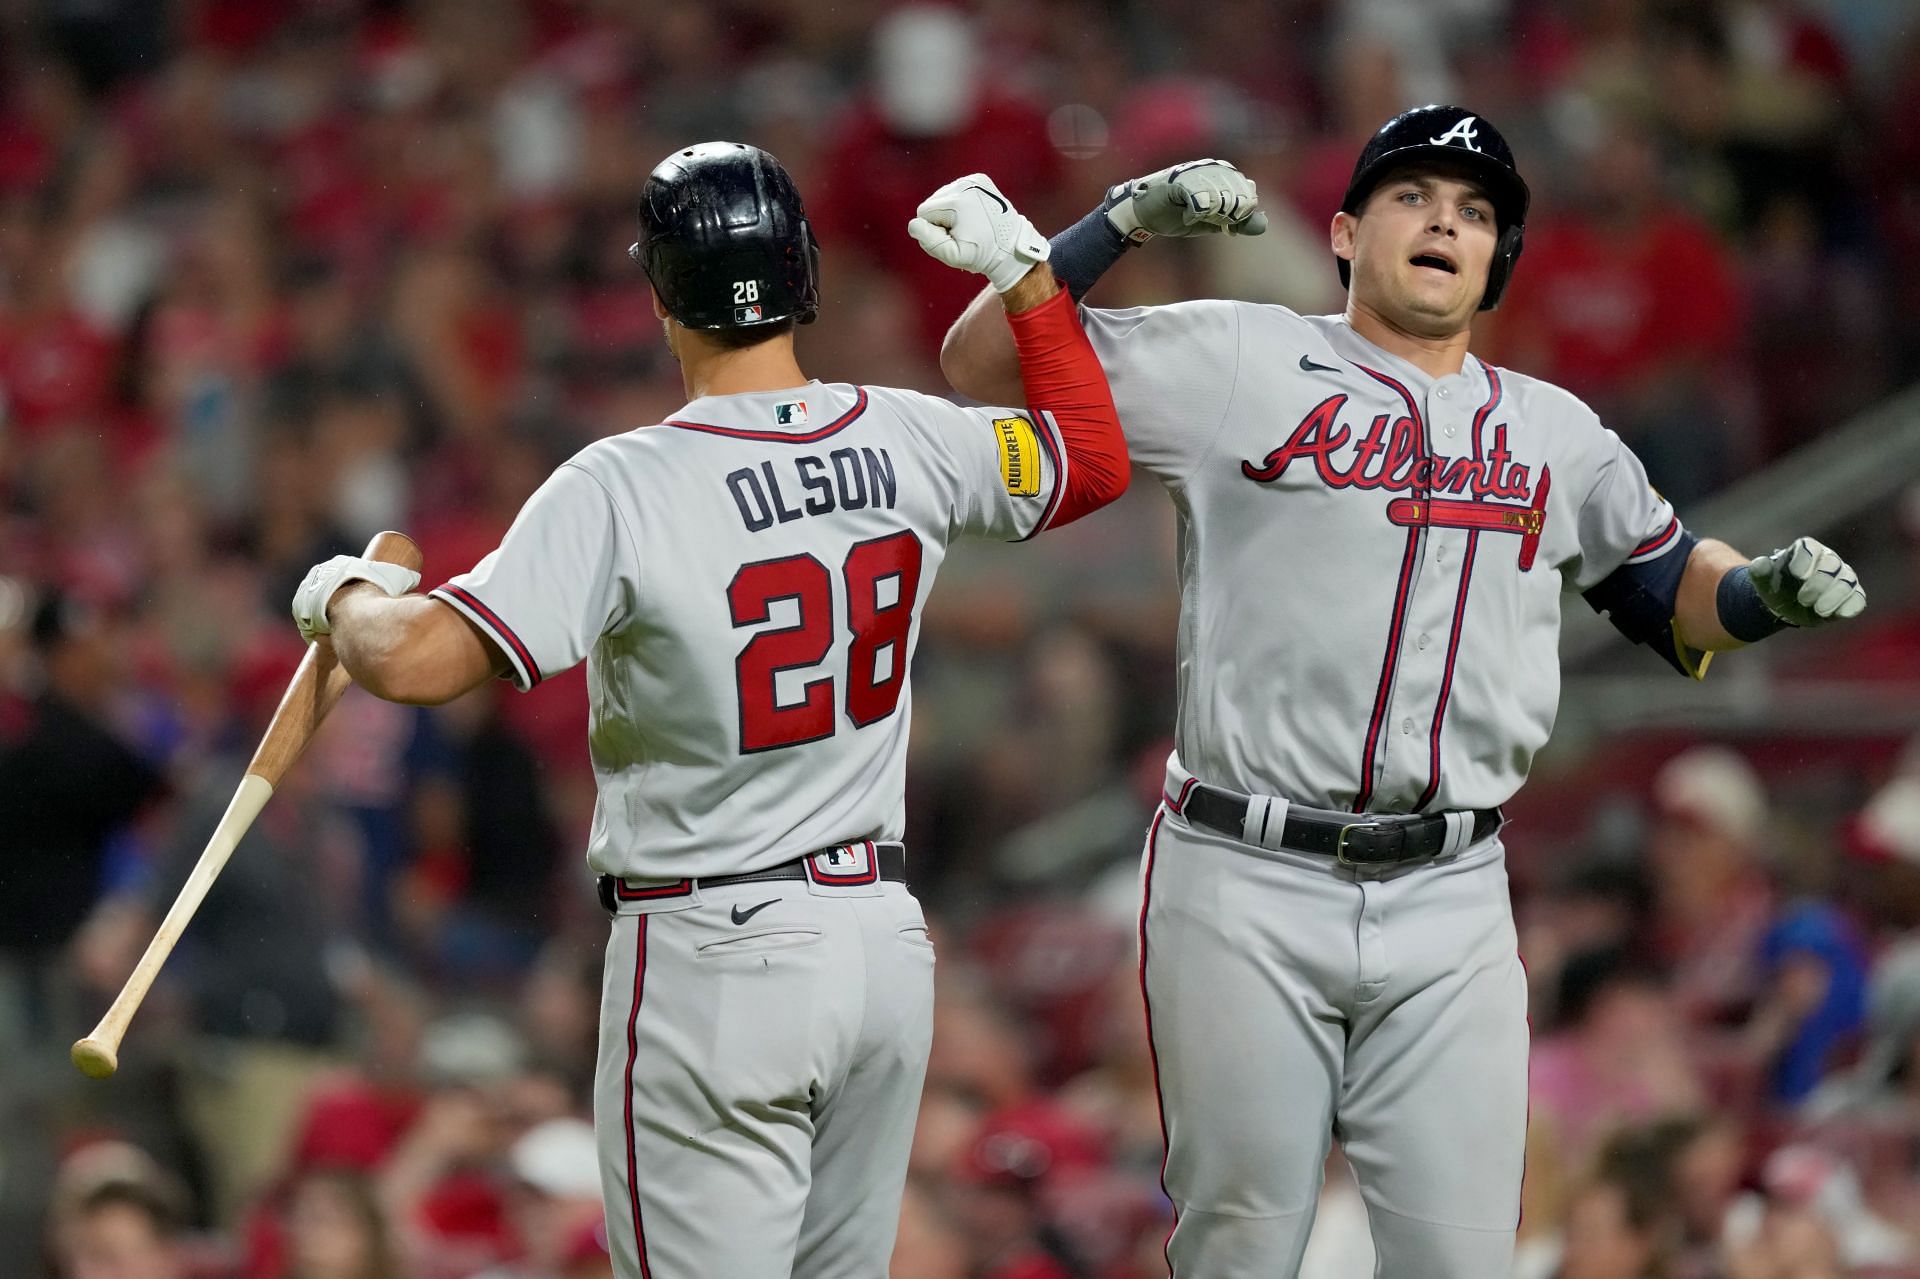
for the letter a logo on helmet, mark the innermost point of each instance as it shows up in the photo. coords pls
(1462, 132)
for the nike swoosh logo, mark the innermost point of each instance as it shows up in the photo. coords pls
(1004, 206)
(742, 916)
(1308, 366)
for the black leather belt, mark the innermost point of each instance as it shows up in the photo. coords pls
(889, 862)
(1352, 839)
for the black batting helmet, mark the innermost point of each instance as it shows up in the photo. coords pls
(1456, 137)
(724, 240)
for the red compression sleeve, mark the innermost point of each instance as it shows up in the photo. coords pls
(1064, 380)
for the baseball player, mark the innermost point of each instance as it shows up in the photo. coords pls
(1376, 530)
(745, 581)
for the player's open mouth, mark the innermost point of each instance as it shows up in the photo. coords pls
(1435, 262)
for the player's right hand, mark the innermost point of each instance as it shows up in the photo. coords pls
(968, 224)
(1200, 197)
(322, 580)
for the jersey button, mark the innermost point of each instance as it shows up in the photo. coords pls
(1440, 555)
(1406, 725)
(1425, 639)
(1444, 393)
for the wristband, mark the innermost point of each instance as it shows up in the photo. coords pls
(1084, 251)
(1743, 614)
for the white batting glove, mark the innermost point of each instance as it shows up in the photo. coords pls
(1807, 584)
(322, 580)
(968, 224)
(1199, 197)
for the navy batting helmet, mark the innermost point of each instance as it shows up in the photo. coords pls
(1458, 138)
(724, 240)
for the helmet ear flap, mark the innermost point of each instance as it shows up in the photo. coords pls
(1506, 252)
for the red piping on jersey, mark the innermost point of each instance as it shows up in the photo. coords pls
(633, 1053)
(1153, 1053)
(1395, 629)
(1459, 604)
(1658, 540)
(500, 629)
(781, 437)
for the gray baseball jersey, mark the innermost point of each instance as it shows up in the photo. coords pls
(745, 582)
(1372, 563)
(1371, 560)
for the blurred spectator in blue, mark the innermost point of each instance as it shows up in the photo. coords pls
(1776, 980)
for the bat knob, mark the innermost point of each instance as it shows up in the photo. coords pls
(96, 1059)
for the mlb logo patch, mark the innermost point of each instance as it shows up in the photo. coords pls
(792, 413)
(845, 865)
(746, 315)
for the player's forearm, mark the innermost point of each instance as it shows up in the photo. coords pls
(1696, 609)
(410, 649)
(1062, 378)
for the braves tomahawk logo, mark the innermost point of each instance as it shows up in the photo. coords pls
(1490, 491)
(1463, 132)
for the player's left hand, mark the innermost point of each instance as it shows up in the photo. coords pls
(1807, 584)
(322, 580)
(1199, 197)
(968, 224)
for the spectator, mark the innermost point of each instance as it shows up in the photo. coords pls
(68, 784)
(1618, 1058)
(936, 110)
(1631, 302)
(1020, 1157)
(336, 1229)
(116, 1215)
(1618, 1228)
(555, 1196)
(1712, 899)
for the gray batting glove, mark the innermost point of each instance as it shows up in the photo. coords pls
(322, 580)
(1200, 197)
(1807, 584)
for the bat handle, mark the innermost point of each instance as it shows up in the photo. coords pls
(320, 680)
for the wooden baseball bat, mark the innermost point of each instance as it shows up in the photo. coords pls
(315, 687)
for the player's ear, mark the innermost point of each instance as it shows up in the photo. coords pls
(659, 311)
(1341, 234)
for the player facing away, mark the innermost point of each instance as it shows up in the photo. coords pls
(1376, 532)
(745, 581)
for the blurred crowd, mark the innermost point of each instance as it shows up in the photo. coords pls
(277, 274)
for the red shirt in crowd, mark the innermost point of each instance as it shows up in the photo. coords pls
(1596, 310)
(875, 179)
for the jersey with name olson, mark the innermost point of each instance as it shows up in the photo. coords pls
(745, 583)
(1371, 559)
